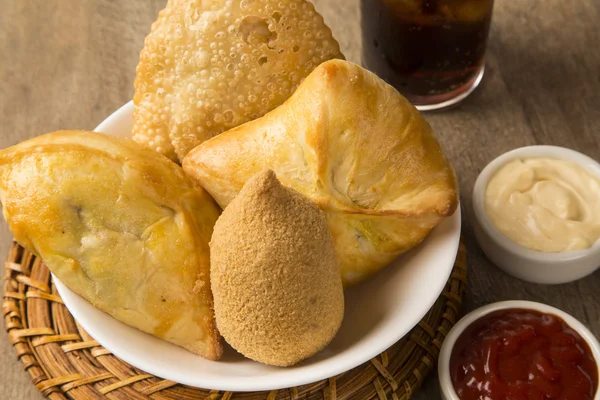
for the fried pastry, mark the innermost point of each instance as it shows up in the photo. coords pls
(119, 225)
(358, 149)
(210, 65)
(274, 275)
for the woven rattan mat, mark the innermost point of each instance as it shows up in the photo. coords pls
(66, 363)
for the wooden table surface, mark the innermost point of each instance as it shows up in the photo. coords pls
(67, 64)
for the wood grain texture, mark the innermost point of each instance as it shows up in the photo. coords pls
(67, 64)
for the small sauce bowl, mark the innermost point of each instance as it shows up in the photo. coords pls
(447, 387)
(515, 259)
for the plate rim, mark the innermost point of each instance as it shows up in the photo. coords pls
(246, 384)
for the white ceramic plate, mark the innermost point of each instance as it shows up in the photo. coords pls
(379, 312)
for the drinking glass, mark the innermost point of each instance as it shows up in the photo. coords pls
(432, 51)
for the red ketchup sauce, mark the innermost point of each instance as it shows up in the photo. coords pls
(522, 354)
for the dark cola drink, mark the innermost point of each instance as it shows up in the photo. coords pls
(432, 51)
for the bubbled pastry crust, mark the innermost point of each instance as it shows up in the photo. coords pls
(210, 65)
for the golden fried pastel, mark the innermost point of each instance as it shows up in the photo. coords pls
(119, 225)
(210, 65)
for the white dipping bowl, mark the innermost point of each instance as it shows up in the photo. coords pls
(519, 261)
(446, 386)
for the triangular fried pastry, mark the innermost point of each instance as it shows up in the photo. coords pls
(210, 65)
(119, 225)
(358, 149)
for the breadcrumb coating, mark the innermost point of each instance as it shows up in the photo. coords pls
(274, 275)
(210, 65)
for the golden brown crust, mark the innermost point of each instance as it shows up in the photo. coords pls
(275, 279)
(119, 225)
(357, 148)
(208, 66)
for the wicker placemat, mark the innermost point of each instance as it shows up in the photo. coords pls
(66, 363)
